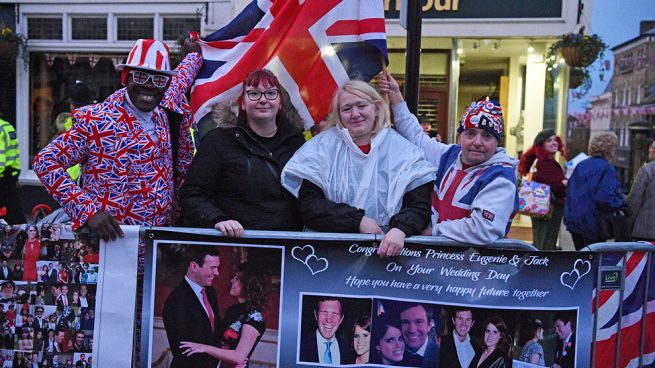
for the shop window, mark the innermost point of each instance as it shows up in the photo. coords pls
(176, 27)
(52, 76)
(130, 29)
(44, 28)
(89, 28)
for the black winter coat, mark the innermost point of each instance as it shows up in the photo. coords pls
(235, 177)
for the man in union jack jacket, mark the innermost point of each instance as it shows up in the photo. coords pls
(133, 149)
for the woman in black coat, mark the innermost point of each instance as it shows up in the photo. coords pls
(234, 180)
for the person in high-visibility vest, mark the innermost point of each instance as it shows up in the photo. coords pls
(9, 170)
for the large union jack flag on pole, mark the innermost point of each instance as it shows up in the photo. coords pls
(627, 318)
(312, 46)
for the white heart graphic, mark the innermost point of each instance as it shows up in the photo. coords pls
(306, 256)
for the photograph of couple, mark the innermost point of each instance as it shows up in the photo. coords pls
(215, 304)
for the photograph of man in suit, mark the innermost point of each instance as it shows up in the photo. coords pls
(62, 298)
(59, 346)
(5, 271)
(191, 310)
(322, 344)
(51, 275)
(456, 348)
(415, 324)
(565, 352)
(39, 322)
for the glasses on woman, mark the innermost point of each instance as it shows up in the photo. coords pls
(141, 77)
(255, 94)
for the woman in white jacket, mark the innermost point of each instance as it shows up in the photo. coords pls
(360, 175)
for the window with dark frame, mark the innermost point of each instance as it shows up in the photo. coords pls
(89, 28)
(173, 28)
(133, 28)
(44, 28)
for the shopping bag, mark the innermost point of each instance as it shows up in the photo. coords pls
(534, 199)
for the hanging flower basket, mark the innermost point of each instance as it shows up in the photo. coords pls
(580, 80)
(578, 49)
(7, 49)
(12, 43)
(572, 55)
(579, 52)
(575, 78)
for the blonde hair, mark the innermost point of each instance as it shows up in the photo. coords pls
(369, 94)
(603, 145)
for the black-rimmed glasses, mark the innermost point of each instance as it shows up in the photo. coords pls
(255, 94)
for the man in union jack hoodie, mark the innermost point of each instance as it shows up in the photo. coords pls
(134, 148)
(475, 196)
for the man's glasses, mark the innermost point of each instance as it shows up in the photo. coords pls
(255, 95)
(158, 80)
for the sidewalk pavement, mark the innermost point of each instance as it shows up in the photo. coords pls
(523, 232)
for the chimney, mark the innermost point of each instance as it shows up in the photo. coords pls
(646, 25)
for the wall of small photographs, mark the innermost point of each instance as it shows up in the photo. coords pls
(48, 280)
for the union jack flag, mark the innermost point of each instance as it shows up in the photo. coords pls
(312, 46)
(630, 311)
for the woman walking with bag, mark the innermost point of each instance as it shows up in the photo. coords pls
(545, 230)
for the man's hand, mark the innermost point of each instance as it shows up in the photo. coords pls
(230, 228)
(105, 226)
(392, 243)
(369, 226)
(190, 46)
(389, 86)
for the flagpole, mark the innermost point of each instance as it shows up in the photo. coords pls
(413, 54)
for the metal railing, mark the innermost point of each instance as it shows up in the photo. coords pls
(625, 248)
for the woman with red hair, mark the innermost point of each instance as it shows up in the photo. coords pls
(545, 230)
(234, 180)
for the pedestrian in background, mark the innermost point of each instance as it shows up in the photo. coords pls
(594, 189)
(9, 170)
(641, 200)
(545, 230)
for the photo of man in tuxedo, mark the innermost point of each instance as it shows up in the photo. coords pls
(39, 321)
(322, 344)
(416, 321)
(191, 310)
(565, 352)
(5, 271)
(457, 347)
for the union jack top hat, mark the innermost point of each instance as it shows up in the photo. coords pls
(149, 55)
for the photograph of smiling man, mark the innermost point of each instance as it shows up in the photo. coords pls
(326, 325)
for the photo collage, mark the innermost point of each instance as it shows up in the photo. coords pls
(48, 282)
(338, 330)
